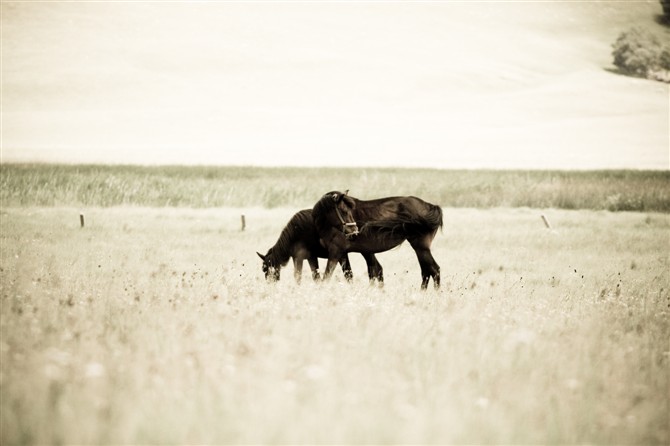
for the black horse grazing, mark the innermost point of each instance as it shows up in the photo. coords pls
(384, 224)
(299, 240)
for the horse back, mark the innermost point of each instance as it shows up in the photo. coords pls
(399, 210)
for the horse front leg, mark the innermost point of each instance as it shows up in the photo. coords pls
(337, 249)
(297, 269)
(346, 268)
(330, 267)
(314, 266)
(375, 270)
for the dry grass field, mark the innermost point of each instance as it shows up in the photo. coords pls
(154, 326)
(153, 323)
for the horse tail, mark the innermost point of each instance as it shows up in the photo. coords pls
(433, 217)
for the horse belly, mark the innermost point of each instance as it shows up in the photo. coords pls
(301, 253)
(375, 244)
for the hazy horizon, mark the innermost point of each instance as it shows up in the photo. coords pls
(440, 85)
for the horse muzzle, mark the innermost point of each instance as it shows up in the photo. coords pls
(350, 230)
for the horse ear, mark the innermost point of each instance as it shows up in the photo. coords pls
(346, 192)
(261, 256)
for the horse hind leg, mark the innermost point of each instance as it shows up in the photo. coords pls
(429, 267)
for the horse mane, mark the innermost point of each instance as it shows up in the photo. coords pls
(296, 227)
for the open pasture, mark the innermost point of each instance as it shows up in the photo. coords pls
(154, 325)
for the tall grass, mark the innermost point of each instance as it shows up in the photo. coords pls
(96, 185)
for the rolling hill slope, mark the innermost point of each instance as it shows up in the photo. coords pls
(502, 85)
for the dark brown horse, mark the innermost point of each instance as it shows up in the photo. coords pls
(347, 224)
(299, 240)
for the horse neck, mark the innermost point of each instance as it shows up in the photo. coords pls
(281, 251)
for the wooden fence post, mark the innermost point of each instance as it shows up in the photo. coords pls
(244, 223)
(81, 220)
(546, 222)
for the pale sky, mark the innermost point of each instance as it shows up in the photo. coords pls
(428, 84)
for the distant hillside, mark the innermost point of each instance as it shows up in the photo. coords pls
(443, 84)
